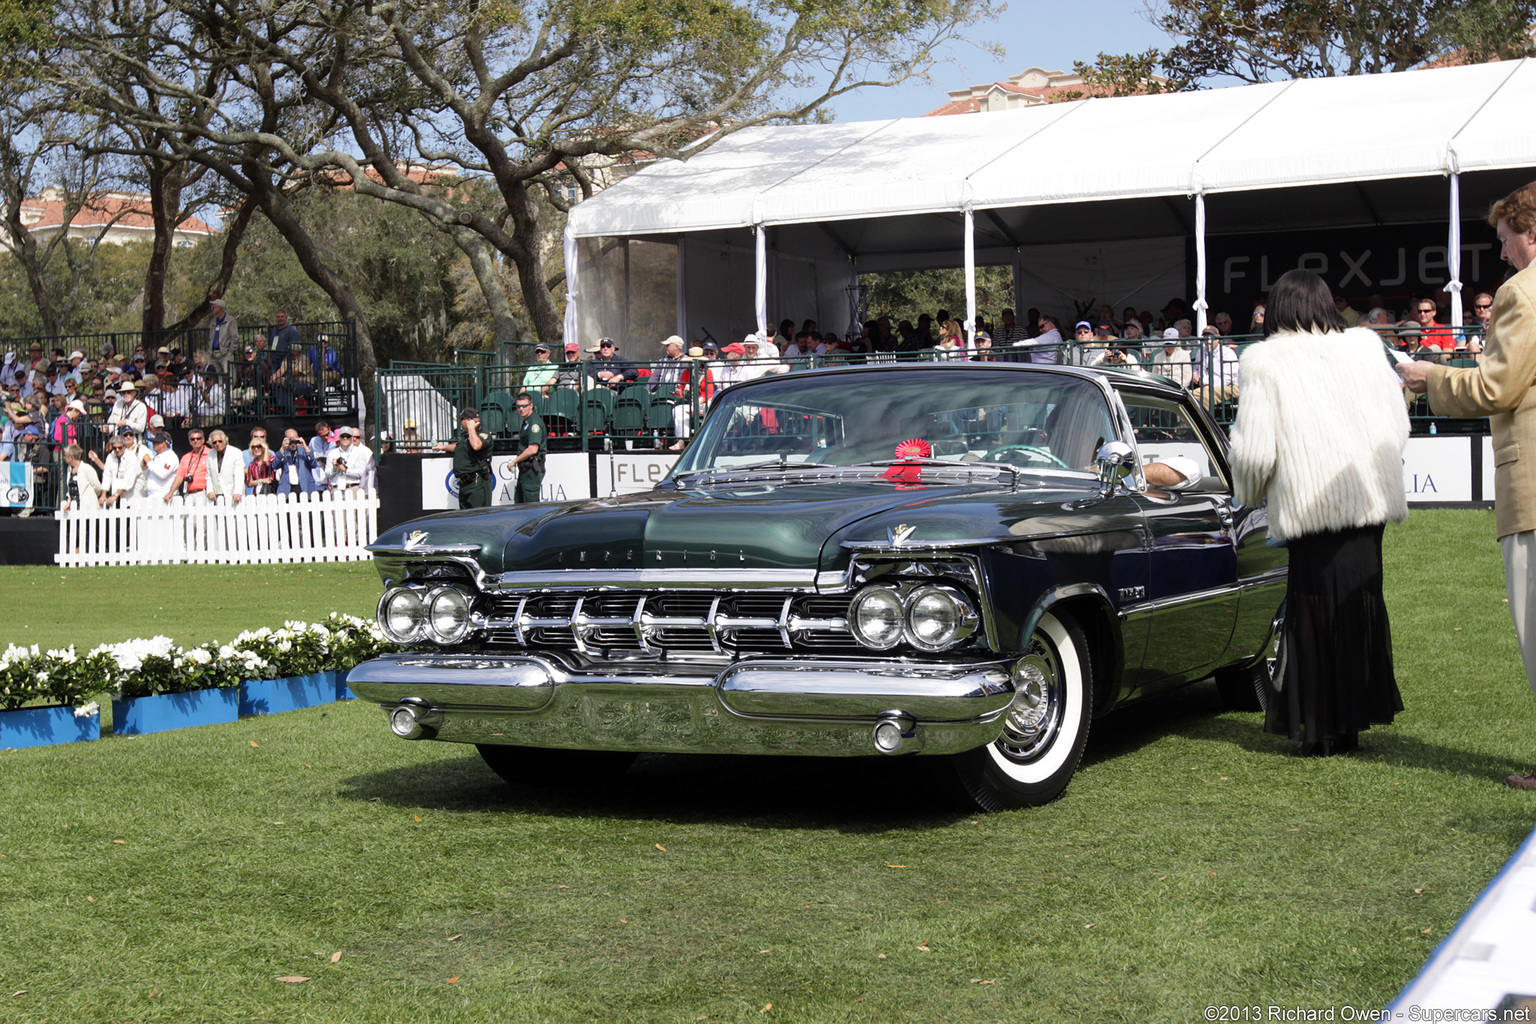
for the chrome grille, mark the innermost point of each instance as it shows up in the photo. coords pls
(692, 622)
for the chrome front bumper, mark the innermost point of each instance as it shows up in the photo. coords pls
(792, 705)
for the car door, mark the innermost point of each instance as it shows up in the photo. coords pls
(1193, 594)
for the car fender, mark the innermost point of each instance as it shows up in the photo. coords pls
(1090, 605)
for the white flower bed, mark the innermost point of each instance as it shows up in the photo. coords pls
(141, 667)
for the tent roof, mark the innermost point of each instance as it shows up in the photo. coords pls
(1307, 132)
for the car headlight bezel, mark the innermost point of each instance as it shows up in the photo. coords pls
(937, 617)
(405, 601)
(891, 601)
(458, 604)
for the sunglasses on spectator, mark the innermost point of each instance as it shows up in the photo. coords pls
(1483, 305)
(195, 437)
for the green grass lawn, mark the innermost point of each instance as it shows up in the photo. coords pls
(190, 604)
(178, 877)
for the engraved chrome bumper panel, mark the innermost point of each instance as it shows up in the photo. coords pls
(779, 706)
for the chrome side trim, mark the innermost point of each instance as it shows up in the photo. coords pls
(1266, 579)
(1193, 597)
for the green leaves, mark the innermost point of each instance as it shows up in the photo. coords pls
(1266, 40)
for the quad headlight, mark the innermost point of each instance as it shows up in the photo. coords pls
(447, 615)
(938, 617)
(409, 615)
(875, 616)
(931, 617)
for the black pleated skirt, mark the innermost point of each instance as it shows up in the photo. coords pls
(1338, 676)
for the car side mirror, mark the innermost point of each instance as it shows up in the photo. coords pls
(1113, 457)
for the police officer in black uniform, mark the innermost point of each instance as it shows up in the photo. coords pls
(471, 461)
(530, 460)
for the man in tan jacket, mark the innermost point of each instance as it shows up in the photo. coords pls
(1500, 387)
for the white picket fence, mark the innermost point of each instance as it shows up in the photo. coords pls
(332, 526)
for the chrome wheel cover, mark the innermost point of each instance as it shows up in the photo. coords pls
(1034, 717)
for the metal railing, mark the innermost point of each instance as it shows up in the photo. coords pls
(419, 403)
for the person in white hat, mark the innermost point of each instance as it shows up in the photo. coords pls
(77, 367)
(1172, 360)
(682, 413)
(129, 410)
(66, 429)
(669, 369)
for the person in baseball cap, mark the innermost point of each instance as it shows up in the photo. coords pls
(471, 460)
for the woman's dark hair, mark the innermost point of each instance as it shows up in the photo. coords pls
(1301, 301)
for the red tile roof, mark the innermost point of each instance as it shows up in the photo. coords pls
(1072, 88)
(125, 211)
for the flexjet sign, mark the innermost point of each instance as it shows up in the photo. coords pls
(1388, 260)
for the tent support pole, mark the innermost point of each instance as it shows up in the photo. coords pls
(1200, 303)
(970, 279)
(1453, 251)
(760, 277)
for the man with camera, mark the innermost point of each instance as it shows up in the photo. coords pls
(351, 464)
(471, 460)
(295, 466)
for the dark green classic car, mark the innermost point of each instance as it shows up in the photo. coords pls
(963, 560)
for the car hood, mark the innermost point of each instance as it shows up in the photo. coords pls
(753, 526)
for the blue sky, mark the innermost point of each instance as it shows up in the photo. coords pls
(1049, 34)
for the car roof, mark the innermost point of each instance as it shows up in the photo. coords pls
(1112, 376)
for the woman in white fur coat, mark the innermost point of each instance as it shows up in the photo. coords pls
(1320, 431)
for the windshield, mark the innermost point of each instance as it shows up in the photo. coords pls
(1038, 421)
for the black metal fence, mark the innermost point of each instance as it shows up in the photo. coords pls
(418, 403)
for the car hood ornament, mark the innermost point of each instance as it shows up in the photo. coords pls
(899, 534)
(415, 539)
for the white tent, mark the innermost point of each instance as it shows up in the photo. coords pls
(1135, 186)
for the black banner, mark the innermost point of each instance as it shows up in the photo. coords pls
(1398, 262)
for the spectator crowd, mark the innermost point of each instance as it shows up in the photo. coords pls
(109, 406)
(136, 464)
(1166, 343)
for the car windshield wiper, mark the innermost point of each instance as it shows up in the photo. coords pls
(780, 463)
(953, 464)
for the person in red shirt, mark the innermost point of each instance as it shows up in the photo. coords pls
(193, 470)
(1432, 334)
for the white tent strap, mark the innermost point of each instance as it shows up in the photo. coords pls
(760, 235)
(1453, 251)
(1200, 304)
(571, 293)
(970, 279)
